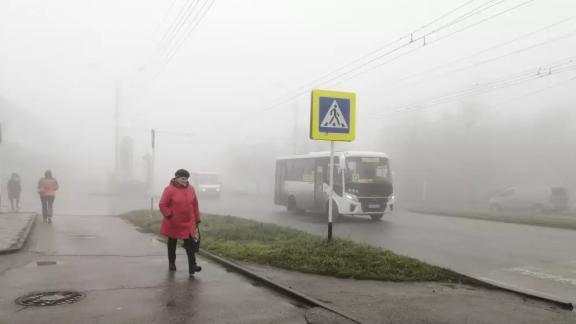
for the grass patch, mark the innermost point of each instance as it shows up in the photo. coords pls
(287, 248)
(564, 220)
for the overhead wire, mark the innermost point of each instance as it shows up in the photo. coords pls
(175, 27)
(166, 15)
(491, 48)
(193, 25)
(429, 42)
(567, 65)
(412, 41)
(381, 48)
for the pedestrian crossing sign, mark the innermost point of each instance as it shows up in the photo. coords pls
(333, 116)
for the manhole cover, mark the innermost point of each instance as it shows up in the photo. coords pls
(50, 298)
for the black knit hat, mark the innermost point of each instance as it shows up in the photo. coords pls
(182, 173)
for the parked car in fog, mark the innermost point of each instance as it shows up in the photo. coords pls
(533, 198)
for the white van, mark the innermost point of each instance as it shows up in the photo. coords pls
(533, 198)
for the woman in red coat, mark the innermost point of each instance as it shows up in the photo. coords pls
(179, 206)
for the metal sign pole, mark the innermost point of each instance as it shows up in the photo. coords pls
(332, 118)
(331, 190)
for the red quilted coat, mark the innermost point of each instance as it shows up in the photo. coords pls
(179, 206)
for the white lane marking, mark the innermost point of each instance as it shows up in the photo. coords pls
(544, 275)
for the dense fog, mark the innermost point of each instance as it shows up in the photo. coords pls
(479, 100)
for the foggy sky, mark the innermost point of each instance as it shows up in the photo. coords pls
(63, 62)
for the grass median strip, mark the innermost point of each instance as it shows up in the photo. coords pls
(246, 240)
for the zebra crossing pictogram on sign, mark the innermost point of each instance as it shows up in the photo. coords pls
(334, 118)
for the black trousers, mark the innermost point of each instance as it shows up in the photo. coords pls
(188, 245)
(47, 202)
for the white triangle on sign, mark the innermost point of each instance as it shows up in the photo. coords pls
(334, 118)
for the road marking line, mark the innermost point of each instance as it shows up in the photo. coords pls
(544, 275)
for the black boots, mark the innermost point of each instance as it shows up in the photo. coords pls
(193, 269)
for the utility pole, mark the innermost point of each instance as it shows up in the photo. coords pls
(295, 130)
(1, 164)
(152, 167)
(116, 132)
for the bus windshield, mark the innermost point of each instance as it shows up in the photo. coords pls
(367, 169)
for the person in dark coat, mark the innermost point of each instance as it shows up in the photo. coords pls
(179, 206)
(14, 190)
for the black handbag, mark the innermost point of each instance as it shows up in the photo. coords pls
(194, 241)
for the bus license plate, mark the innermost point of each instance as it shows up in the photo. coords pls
(373, 205)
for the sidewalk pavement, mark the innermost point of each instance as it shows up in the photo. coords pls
(14, 230)
(125, 279)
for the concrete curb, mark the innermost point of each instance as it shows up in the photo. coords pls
(285, 290)
(484, 282)
(498, 285)
(22, 237)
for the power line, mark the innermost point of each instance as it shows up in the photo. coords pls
(524, 49)
(567, 65)
(191, 29)
(192, 24)
(499, 45)
(486, 19)
(525, 95)
(165, 18)
(532, 93)
(430, 42)
(412, 41)
(176, 26)
(376, 51)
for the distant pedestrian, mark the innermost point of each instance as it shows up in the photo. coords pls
(47, 187)
(14, 190)
(179, 206)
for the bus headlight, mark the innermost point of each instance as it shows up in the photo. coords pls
(351, 197)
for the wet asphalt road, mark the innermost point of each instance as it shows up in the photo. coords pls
(124, 276)
(534, 259)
